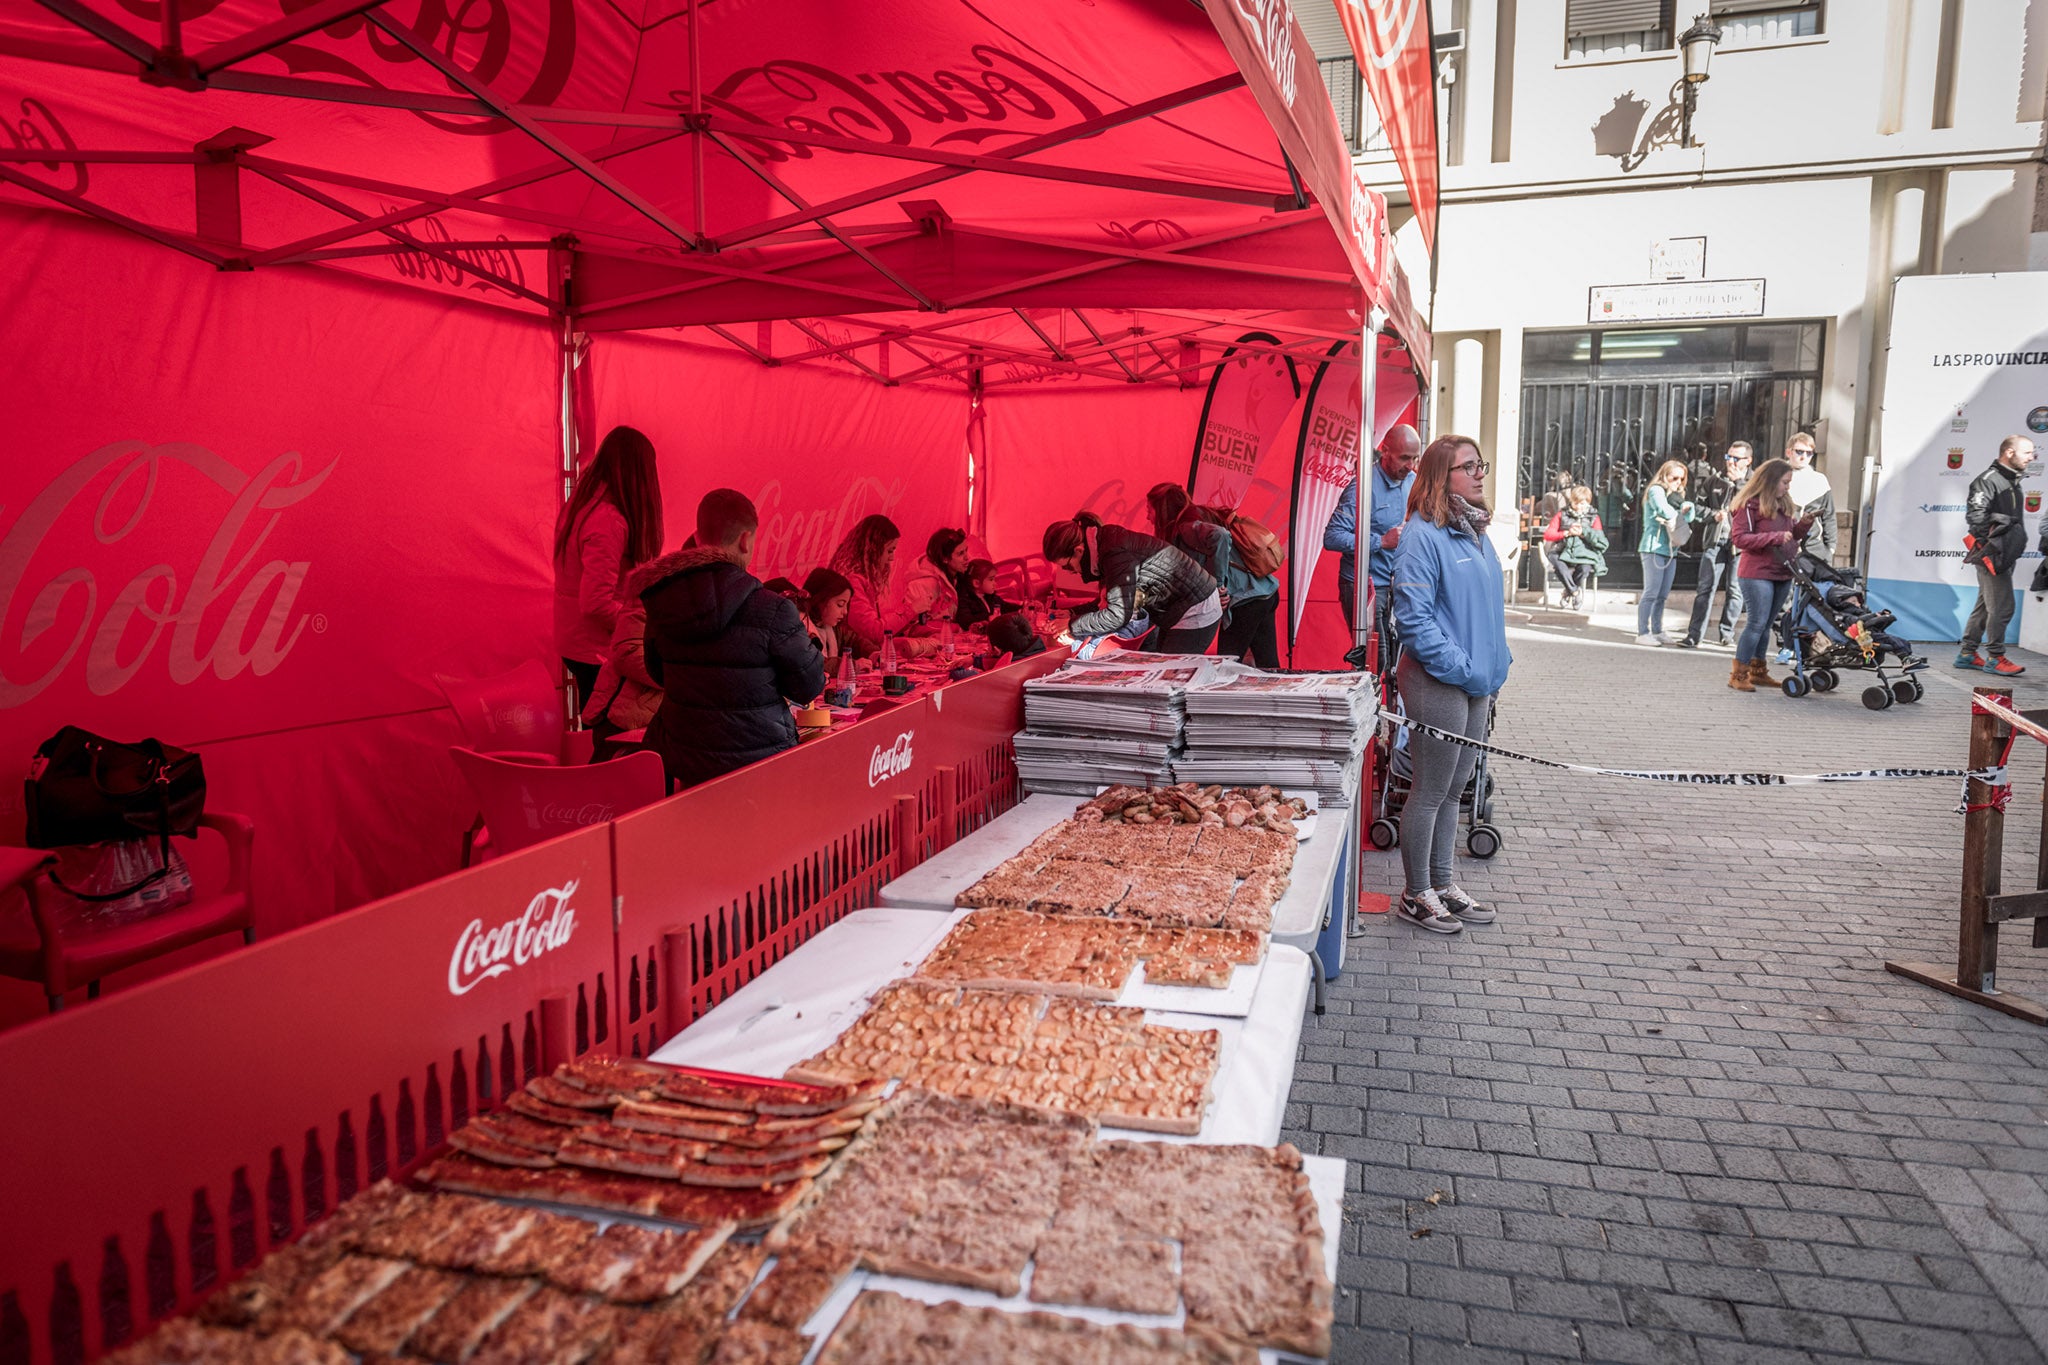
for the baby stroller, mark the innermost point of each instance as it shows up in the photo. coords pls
(1392, 768)
(1830, 630)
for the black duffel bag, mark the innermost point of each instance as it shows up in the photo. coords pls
(86, 789)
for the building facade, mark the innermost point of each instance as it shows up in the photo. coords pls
(1608, 297)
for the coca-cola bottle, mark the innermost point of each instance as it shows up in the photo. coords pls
(843, 689)
(888, 660)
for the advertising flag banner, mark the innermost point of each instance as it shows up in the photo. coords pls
(1250, 395)
(1325, 463)
(1391, 39)
(1968, 367)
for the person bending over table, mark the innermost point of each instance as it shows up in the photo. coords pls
(728, 654)
(1138, 573)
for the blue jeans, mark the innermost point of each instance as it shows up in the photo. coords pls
(1762, 600)
(1658, 571)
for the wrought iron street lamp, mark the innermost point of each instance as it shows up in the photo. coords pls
(1696, 47)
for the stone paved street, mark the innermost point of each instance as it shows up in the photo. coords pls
(1671, 1108)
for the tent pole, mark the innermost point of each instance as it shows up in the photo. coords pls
(1361, 600)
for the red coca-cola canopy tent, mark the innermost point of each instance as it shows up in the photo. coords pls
(310, 297)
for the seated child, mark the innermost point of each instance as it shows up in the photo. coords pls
(978, 599)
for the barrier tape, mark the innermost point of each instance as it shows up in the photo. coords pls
(1994, 776)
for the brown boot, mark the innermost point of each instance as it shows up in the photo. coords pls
(1738, 677)
(1760, 674)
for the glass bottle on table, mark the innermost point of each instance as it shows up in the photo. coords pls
(887, 662)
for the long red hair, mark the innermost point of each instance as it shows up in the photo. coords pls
(622, 473)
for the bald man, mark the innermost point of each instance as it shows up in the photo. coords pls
(1392, 474)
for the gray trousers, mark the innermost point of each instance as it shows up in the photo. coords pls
(1991, 615)
(1439, 772)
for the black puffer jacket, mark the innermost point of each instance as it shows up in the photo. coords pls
(728, 656)
(1139, 573)
(1993, 514)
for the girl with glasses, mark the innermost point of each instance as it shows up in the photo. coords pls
(1449, 609)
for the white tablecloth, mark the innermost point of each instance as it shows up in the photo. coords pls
(933, 883)
(798, 1006)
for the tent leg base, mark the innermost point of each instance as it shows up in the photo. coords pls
(2018, 1006)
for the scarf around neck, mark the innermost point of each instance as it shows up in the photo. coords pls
(1472, 520)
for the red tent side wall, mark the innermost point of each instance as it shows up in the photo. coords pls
(255, 514)
(815, 448)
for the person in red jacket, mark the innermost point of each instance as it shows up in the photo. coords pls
(1766, 534)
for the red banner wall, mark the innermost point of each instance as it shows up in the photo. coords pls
(815, 450)
(1250, 395)
(264, 536)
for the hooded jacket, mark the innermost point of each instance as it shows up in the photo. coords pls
(927, 590)
(587, 575)
(1139, 573)
(625, 698)
(729, 659)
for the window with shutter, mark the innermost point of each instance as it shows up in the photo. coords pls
(1592, 18)
(1722, 7)
(1747, 23)
(1616, 28)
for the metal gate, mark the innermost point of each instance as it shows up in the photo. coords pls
(1611, 434)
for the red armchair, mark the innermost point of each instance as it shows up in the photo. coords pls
(49, 945)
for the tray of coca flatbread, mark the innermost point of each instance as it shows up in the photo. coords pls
(673, 1144)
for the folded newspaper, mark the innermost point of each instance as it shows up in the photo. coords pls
(1289, 729)
(1093, 724)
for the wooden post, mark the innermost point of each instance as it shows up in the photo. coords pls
(1976, 975)
(1983, 852)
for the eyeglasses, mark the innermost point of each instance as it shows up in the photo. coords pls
(1476, 468)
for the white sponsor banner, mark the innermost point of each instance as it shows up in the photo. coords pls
(1968, 367)
(1675, 301)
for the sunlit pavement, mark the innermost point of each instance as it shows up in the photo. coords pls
(1671, 1107)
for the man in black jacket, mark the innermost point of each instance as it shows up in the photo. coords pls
(1994, 513)
(728, 654)
(1717, 549)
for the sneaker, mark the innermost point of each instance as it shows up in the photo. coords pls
(1649, 640)
(1969, 659)
(1463, 906)
(1784, 656)
(1725, 642)
(2004, 666)
(1423, 910)
(1688, 643)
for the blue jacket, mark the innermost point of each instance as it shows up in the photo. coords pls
(1447, 602)
(1389, 509)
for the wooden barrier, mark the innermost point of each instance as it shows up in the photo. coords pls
(1984, 905)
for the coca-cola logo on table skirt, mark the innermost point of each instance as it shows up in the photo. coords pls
(481, 953)
(889, 762)
(227, 611)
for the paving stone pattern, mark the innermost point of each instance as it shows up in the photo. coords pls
(1671, 1108)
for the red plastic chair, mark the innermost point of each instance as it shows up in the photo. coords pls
(524, 802)
(51, 945)
(517, 713)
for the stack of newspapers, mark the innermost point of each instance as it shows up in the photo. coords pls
(1092, 725)
(1293, 730)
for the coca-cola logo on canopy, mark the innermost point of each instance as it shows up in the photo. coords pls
(228, 611)
(31, 127)
(890, 762)
(1271, 25)
(994, 93)
(481, 953)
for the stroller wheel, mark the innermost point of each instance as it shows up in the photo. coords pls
(1877, 698)
(1823, 679)
(1483, 841)
(1384, 834)
(1908, 690)
(1796, 686)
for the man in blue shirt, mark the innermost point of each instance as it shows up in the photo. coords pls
(1392, 474)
